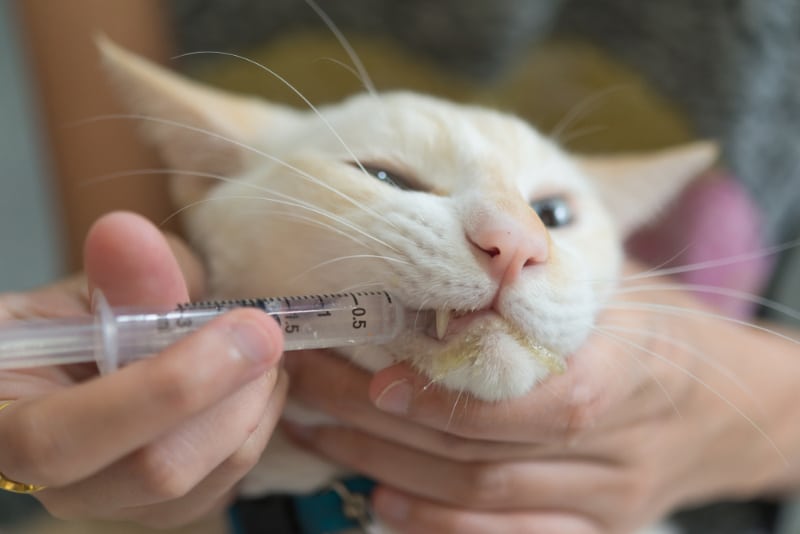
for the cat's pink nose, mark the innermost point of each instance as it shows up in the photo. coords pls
(511, 245)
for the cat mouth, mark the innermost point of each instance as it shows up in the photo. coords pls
(451, 322)
(463, 329)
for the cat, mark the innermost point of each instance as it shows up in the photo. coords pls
(467, 211)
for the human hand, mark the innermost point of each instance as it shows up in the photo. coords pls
(164, 440)
(657, 410)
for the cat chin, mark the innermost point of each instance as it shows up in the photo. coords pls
(492, 361)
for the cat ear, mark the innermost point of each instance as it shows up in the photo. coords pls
(195, 127)
(636, 187)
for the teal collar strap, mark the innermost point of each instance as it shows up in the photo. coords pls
(343, 508)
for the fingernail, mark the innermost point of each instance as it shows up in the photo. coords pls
(391, 507)
(396, 398)
(250, 342)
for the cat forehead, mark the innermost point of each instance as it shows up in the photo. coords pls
(425, 117)
(428, 137)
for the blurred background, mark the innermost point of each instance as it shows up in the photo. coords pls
(30, 231)
(598, 76)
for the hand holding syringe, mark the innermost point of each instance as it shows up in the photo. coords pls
(113, 337)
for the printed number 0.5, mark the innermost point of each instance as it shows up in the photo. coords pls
(359, 323)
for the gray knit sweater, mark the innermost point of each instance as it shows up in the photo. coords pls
(733, 65)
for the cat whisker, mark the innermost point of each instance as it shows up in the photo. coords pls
(701, 356)
(582, 108)
(432, 382)
(148, 172)
(351, 53)
(311, 106)
(331, 216)
(347, 258)
(244, 146)
(718, 262)
(716, 290)
(453, 409)
(682, 311)
(317, 223)
(630, 347)
(200, 174)
(292, 203)
(362, 286)
(584, 132)
(711, 389)
(340, 63)
(668, 261)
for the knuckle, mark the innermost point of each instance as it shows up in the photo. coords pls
(160, 476)
(582, 410)
(639, 490)
(36, 450)
(458, 448)
(486, 486)
(243, 460)
(255, 433)
(173, 388)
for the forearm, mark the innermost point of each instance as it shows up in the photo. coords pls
(73, 87)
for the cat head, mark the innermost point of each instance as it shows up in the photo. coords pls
(453, 208)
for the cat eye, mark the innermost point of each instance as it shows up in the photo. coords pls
(554, 212)
(388, 177)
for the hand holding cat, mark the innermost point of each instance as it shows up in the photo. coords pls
(633, 429)
(164, 440)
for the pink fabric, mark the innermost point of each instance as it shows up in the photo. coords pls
(713, 220)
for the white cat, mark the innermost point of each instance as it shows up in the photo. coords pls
(454, 208)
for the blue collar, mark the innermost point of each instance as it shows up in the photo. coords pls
(343, 507)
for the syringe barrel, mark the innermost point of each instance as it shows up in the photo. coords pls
(307, 322)
(43, 342)
(116, 337)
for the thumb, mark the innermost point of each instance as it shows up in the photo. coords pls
(131, 262)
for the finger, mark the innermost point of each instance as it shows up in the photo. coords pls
(171, 466)
(132, 263)
(67, 297)
(217, 490)
(346, 400)
(172, 482)
(71, 434)
(579, 484)
(191, 266)
(403, 512)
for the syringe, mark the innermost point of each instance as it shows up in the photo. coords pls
(114, 337)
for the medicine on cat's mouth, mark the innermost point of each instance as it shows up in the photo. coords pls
(450, 323)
